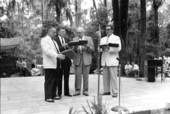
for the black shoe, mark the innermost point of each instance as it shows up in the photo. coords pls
(49, 100)
(68, 95)
(57, 97)
(114, 95)
(106, 93)
(86, 94)
(76, 94)
(60, 96)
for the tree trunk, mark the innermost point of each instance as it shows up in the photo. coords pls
(22, 18)
(116, 12)
(42, 8)
(105, 3)
(58, 11)
(104, 26)
(143, 36)
(120, 17)
(156, 30)
(78, 13)
(124, 4)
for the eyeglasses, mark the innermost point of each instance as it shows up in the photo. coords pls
(79, 32)
(108, 29)
(54, 32)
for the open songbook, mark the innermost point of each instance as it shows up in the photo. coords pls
(110, 45)
(76, 43)
(69, 53)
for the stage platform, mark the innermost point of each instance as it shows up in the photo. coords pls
(25, 95)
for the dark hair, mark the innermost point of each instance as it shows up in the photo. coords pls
(111, 26)
(47, 25)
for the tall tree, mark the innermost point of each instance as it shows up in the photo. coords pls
(143, 35)
(124, 18)
(116, 17)
(104, 26)
(59, 6)
(120, 17)
(105, 3)
(156, 5)
(78, 12)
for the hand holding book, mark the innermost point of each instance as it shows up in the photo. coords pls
(69, 53)
(76, 43)
(110, 45)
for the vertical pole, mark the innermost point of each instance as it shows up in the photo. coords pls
(98, 48)
(119, 72)
(42, 6)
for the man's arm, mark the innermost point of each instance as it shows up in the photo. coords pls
(46, 48)
(116, 41)
(90, 46)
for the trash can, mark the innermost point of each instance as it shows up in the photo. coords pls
(151, 74)
(152, 65)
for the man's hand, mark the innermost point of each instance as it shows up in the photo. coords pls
(65, 45)
(105, 47)
(84, 47)
(61, 56)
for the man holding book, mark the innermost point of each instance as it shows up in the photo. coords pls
(64, 67)
(111, 46)
(82, 60)
(51, 55)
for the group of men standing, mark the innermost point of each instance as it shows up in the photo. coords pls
(57, 65)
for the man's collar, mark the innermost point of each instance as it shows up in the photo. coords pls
(82, 38)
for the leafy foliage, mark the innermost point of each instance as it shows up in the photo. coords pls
(25, 19)
(59, 5)
(6, 32)
(93, 108)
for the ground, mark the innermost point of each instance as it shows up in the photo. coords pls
(25, 95)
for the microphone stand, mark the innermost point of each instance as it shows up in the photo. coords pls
(119, 108)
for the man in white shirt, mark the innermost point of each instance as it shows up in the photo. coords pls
(24, 67)
(128, 68)
(110, 62)
(135, 69)
(51, 53)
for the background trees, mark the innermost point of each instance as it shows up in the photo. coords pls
(134, 22)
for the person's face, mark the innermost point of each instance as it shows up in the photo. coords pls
(133, 63)
(34, 61)
(52, 32)
(62, 32)
(109, 31)
(80, 32)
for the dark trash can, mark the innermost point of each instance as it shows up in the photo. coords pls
(151, 74)
(152, 66)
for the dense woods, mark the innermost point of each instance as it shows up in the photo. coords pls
(143, 26)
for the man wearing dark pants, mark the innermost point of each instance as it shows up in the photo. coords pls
(50, 54)
(65, 71)
(64, 64)
(50, 80)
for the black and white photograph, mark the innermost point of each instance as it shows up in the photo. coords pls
(85, 56)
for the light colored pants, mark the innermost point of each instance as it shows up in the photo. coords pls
(110, 79)
(79, 70)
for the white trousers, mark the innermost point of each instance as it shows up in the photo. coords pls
(110, 79)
